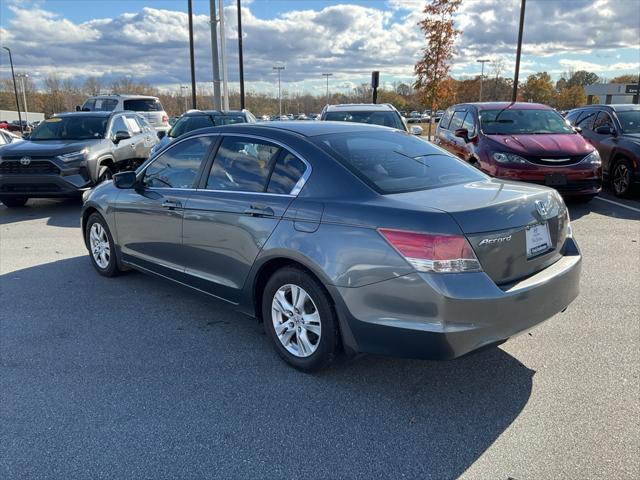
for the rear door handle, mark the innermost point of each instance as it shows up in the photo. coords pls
(259, 211)
(171, 204)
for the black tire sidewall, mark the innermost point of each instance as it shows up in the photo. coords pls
(327, 349)
(112, 268)
(104, 170)
(615, 167)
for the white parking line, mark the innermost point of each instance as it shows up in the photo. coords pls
(618, 204)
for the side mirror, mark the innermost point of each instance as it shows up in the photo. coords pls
(415, 130)
(161, 134)
(78, 108)
(462, 133)
(120, 135)
(578, 129)
(125, 179)
(605, 130)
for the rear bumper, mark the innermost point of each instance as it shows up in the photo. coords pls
(444, 316)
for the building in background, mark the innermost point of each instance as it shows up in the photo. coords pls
(611, 93)
(12, 116)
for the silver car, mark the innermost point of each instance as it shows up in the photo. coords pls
(341, 237)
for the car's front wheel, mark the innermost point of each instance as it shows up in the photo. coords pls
(621, 178)
(13, 202)
(101, 247)
(300, 319)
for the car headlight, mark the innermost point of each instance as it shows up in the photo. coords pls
(74, 156)
(593, 158)
(503, 157)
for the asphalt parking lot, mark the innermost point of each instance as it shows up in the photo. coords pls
(135, 377)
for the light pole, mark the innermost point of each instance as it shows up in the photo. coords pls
(15, 88)
(482, 75)
(514, 97)
(22, 76)
(279, 68)
(240, 56)
(327, 75)
(184, 97)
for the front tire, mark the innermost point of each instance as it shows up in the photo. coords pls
(300, 320)
(14, 202)
(621, 178)
(105, 173)
(101, 247)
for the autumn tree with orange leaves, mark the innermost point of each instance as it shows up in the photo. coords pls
(432, 70)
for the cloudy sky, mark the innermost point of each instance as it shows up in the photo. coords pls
(149, 40)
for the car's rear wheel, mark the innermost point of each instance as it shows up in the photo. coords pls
(13, 202)
(101, 247)
(300, 319)
(621, 178)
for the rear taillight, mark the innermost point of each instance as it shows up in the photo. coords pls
(165, 119)
(433, 253)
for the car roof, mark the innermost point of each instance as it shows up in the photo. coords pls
(359, 107)
(126, 96)
(506, 105)
(306, 129)
(97, 113)
(214, 112)
(618, 107)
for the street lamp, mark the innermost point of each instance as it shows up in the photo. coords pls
(482, 75)
(279, 68)
(184, 96)
(22, 76)
(327, 75)
(15, 88)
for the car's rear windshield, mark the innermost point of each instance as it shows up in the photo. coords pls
(523, 122)
(394, 162)
(143, 105)
(386, 119)
(189, 123)
(80, 127)
(629, 120)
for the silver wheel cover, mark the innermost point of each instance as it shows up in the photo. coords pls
(99, 244)
(296, 320)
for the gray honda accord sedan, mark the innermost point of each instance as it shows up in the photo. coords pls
(341, 237)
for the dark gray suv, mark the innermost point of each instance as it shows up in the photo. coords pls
(341, 235)
(71, 152)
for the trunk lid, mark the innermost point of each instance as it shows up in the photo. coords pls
(497, 217)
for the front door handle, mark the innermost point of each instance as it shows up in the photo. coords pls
(171, 204)
(259, 211)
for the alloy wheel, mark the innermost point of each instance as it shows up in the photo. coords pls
(621, 178)
(100, 248)
(296, 320)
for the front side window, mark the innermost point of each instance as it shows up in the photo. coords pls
(178, 166)
(603, 120)
(456, 121)
(523, 122)
(286, 173)
(394, 162)
(134, 126)
(446, 119)
(469, 123)
(73, 127)
(242, 165)
(385, 118)
(585, 121)
(629, 121)
(119, 125)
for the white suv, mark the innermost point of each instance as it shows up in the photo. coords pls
(149, 107)
(376, 113)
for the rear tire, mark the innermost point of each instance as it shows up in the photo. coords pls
(300, 320)
(621, 178)
(14, 202)
(101, 247)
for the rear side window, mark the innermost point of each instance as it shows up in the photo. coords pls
(105, 104)
(178, 166)
(394, 162)
(143, 105)
(286, 173)
(242, 165)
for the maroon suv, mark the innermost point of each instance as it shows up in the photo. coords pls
(529, 142)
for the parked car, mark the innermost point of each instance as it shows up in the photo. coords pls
(195, 119)
(4, 125)
(18, 126)
(6, 137)
(414, 117)
(615, 132)
(149, 107)
(383, 114)
(529, 142)
(71, 152)
(341, 235)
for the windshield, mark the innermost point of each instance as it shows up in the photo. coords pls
(190, 123)
(524, 122)
(79, 127)
(386, 119)
(143, 105)
(394, 162)
(629, 121)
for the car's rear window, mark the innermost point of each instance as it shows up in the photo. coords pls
(384, 118)
(143, 105)
(190, 123)
(394, 162)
